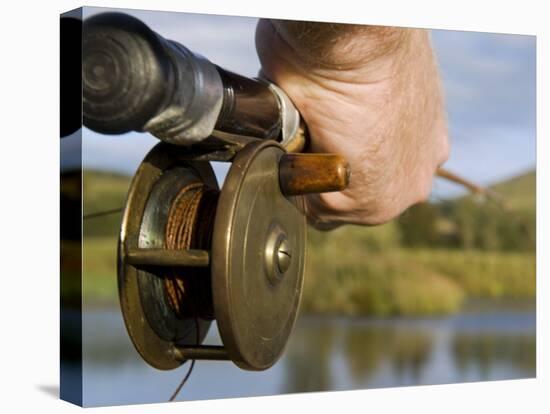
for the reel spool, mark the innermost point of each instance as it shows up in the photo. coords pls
(189, 254)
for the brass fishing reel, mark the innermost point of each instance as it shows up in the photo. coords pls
(189, 252)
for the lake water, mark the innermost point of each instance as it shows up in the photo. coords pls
(324, 353)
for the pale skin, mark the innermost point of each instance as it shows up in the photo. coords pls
(371, 94)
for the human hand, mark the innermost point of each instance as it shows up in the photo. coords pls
(371, 94)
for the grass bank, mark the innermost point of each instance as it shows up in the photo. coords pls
(373, 276)
(352, 270)
(359, 281)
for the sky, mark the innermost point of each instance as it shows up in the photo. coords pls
(489, 82)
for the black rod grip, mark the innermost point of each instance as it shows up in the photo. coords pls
(134, 79)
(126, 74)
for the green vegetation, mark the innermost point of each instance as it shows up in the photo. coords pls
(405, 281)
(473, 223)
(519, 192)
(426, 263)
(99, 283)
(429, 260)
(103, 192)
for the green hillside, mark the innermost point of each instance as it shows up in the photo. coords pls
(427, 262)
(519, 193)
(508, 224)
(106, 191)
(431, 259)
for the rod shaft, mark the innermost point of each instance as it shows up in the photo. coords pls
(448, 175)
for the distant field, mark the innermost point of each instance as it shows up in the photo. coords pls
(352, 270)
(359, 279)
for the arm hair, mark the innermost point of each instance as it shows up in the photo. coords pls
(340, 45)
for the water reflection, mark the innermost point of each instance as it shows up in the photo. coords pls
(409, 354)
(486, 352)
(323, 354)
(365, 349)
(307, 363)
(338, 354)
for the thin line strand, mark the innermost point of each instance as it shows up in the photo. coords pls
(103, 213)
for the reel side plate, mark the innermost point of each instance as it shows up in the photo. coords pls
(258, 248)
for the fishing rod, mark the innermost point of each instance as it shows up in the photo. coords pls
(474, 188)
(189, 252)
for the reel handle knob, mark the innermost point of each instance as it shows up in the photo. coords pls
(313, 173)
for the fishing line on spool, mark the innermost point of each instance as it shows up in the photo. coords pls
(189, 226)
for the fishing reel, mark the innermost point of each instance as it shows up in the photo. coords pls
(189, 252)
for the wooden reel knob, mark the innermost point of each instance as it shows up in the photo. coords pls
(313, 173)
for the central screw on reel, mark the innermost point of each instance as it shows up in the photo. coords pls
(283, 256)
(277, 254)
(189, 254)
